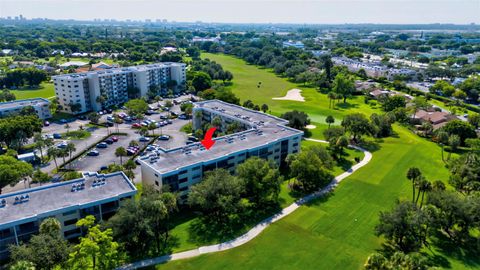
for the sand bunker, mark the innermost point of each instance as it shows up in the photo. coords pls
(311, 127)
(294, 94)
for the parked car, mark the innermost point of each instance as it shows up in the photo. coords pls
(127, 118)
(102, 145)
(110, 124)
(115, 138)
(192, 138)
(63, 121)
(110, 118)
(144, 139)
(109, 141)
(183, 116)
(93, 153)
(164, 138)
(103, 168)
(136, 125)
(57, 136)
(82, 117)
(62, 145)
(163, 117)
(169, 121)
(46, 123)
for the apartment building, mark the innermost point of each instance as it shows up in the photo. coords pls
(261, 135)
(22, 212)
(40, 105)
(94, 90)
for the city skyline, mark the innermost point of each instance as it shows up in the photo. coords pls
(234, 11)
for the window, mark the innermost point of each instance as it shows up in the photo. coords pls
(182, 172)
(71, 232)
(70, 222)
(182, 180)
(183, 188)
(69, 213)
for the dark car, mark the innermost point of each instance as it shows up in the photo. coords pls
(63, 121)
(82, 117)
(93, 153)
(103, 168)
(57, 136)
(102, 145)
(109, 140)
(192, 138)
(164, 138)
(144, 139)
(110, 124)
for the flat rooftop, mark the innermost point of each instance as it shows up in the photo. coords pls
(54, 197)
(264, 130)
(119, 70)
(23, 103)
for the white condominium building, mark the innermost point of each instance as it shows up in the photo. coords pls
(92, 91)
(262, 135)
(40, 105)
(22, 212)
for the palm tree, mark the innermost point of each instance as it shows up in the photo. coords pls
(442, 138)
(330, 120)
(331, 97)
(413, 174)
(120, 152)
(52, 152)
(133, 143)
(67, 127)
(39, 143)
(425, 186)
(152, 127)
(70, 149)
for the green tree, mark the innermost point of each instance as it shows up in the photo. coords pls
(96, 250)
(405, 227)
(218, 198)
(264, 108)
(262, 181)
(458, 127)
(330, 120)
(94, 117)
(310, 169)
(357, 124)
(120, 152)
(343, 85)
(414, 175)
(12, 171)
(46, 250)
(137, 107)
(296, 119)
(201, 81)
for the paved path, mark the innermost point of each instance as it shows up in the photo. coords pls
(255, 231)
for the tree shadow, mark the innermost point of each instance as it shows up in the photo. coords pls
(371, 145)
(346, 106)
(466, 252)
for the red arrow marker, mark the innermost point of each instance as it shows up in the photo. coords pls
(207, 140)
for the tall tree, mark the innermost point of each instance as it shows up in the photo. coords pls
(96, 250)
(12, 171)
(343, 85)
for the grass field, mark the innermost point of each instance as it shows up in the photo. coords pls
(246, 78)
(46, 90)
(335, 232)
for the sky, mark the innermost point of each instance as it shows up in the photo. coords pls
(253, 11)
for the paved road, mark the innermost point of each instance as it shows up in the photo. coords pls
(255, 231)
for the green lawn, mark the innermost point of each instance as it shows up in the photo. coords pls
(46, 90)
(336, 232)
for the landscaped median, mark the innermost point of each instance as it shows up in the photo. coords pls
(256, 230)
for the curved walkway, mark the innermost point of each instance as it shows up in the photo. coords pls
(255, 231)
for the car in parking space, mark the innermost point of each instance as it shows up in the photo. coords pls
(110, 118)
(93, 153)
(115, 138)
(150, 148)
(62, 145)
(163, 117)
(110, 124)
(63, 121)
(144, 139)
(169, 121)
(164, 138)
(57, 136)
(192, 138)
(103, 168)
(183, 116)
(136, 125)
(46, 123)
(127, 119)
(102, 145)
(109, 141)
